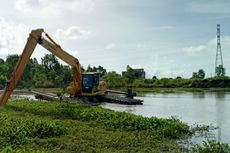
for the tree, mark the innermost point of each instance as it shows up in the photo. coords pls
(220, 71)
(82, 69)
(4, 69)
(98, 69)
(114, 80)
(201, 74)
(101, 70)
(40, 80)
(67, 75)
(90, 69)
(28, 74)
(178, 77)
(2, 61)
(2, 81)
(11, 61)
(198, 75)
(50, 62)
(194, 75)
(130, 75)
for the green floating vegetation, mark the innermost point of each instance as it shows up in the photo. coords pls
(32, 126)
(172, 128)
(14, 131)
(211, 146)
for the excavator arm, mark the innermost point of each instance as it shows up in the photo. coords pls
(38, 36)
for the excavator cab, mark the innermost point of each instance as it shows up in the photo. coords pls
(90, 82)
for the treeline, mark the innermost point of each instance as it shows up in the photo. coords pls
(197, 80)
(216, 82)
(50, 73)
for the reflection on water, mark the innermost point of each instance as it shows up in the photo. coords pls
(220, 109)
(220, 95)
(199, 95)
(204, 108)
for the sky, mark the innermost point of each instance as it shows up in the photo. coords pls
(167, 38)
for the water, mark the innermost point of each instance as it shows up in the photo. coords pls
(23, 96)
(205, 108)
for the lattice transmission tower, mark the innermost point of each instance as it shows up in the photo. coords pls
(219, 59)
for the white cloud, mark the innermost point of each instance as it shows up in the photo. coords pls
(71, 33)
(49, 8)
(208, 48)
(13, 37)
(110, 46)
(196, 50)
(201, 50)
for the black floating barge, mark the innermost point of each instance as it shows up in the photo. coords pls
(90, 100)
(120, 100)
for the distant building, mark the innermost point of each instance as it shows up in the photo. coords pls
(139, 73)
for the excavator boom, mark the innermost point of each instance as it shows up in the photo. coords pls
(36, 37)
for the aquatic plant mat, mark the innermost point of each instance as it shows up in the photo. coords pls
(27, 126)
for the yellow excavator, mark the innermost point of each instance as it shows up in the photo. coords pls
(83, 84)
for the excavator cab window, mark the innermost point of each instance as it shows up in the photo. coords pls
(90, 82)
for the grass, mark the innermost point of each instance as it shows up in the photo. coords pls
(32, 126)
